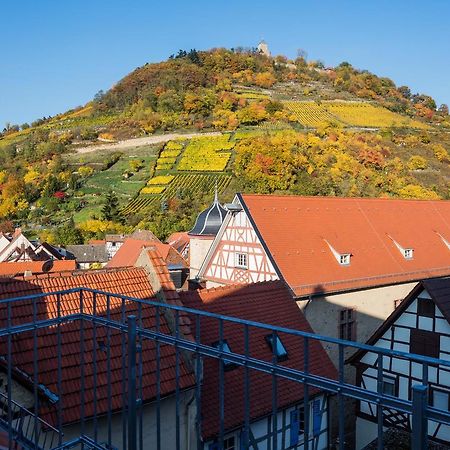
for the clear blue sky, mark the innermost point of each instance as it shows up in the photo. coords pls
(57, 54)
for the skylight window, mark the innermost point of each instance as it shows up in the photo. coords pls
(279, 350)
(226, 349)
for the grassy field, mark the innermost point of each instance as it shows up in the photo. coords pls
(93, 189)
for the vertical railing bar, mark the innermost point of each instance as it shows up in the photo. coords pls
(198, 383)
(9, 377)
(425, 374)
(95, 350)
(221, 386)
(59, 356)
(141, 372)
(177, 379)
(124, 375)
(35, 375)
(419, 419)
(247, 388)
(82, 359)
(131, 383)
(306, 394)
(158, 379)
(380, 439)
(274, 393)
(108, 370)
(341, 406)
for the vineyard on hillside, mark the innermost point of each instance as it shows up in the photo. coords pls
(196, 166)
(192, 182)
(352, 114)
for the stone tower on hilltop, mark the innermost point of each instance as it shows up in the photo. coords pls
(263, 48)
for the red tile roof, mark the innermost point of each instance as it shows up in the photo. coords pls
(297, 231)
(130, 250)
(131, 282)
(35, 267)
(268, 302)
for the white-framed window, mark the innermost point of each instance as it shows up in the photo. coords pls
(408, 253)
(344, 260)
(241, 260)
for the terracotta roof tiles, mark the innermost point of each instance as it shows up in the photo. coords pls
(132, 282)
(298, 231)
(268, 302)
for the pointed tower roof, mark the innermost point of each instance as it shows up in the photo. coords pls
(209, 221)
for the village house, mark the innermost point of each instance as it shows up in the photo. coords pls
(19, 255)
(266, 302)
(347, 261)
(419, 325)
(92, 367)
(130, 250)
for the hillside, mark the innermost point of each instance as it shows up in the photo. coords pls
(287, 126)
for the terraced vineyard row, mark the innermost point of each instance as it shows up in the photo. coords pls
(309, 114)
(354, 114)
(194, 183)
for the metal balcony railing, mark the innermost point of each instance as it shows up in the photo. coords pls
(139, 373)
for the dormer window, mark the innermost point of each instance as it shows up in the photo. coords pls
(344, 260)
(408, 253)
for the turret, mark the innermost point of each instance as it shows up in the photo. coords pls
(202, 235)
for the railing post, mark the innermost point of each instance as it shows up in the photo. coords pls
(419, 420)
(132, 424)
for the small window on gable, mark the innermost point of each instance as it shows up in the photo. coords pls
(279, 350)
(344, 260)
(408, 253)
(425, 307)
(241, 260)
(226, 349)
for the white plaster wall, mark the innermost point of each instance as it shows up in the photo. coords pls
(372, 307)
(168, 436)
(198, 249)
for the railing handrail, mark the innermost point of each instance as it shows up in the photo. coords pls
(27, 411)
(356, 345)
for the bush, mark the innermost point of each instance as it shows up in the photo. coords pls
(417, 163)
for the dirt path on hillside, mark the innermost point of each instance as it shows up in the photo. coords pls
(139, 142)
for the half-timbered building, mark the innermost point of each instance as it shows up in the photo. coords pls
(260, 302)
(420, 325)
(347, 261)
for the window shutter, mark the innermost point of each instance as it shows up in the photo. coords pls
(317, 418)
(294, 427)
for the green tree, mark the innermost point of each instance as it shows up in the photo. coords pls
(110, 210)
(68, 234)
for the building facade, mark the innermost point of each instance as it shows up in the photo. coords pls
(420, 325)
